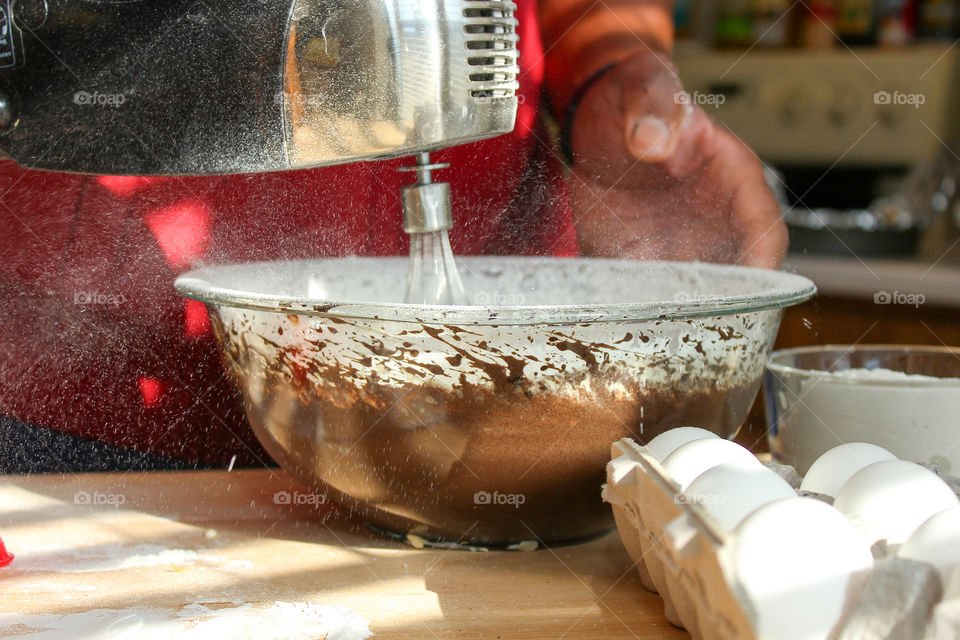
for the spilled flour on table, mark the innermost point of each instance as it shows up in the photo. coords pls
(239, 621)
(115, 557)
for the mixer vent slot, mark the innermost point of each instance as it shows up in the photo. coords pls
(491, 42)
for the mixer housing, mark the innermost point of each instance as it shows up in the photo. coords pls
(190, 87)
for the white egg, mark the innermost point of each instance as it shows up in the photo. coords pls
(690, 460)
(832, 470)
(890, 499)
(730, 492)
(795, 559)
(668, 441)
(936, 541)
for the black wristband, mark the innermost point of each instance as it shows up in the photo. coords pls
(566, 133)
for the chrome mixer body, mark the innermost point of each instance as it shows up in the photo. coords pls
(180, 87)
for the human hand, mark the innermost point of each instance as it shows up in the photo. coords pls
(656, 178)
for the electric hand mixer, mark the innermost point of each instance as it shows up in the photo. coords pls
(185, 87)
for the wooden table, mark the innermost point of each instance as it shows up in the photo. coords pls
(214, 554)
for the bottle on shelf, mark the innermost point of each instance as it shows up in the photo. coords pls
(895, 22)
(857, 22)
(771, 22)
(733, 26)
(938, 19)
(819, 26)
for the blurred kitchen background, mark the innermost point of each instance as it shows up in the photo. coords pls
(853, 104)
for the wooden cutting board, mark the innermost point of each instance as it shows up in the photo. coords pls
(215, 555)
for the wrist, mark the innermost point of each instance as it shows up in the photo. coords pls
(598, 39)
(565, 139)
(642, 72)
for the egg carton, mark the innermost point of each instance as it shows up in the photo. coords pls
(681, 553)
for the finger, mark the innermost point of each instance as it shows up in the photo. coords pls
(655, 108)
(765, 242)
(755, 209)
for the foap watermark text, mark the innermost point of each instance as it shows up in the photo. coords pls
(700, 99)
(99, 499)
(499, 499)
(98, 99)
(899, 297)
(704, 499)
(914, 100)
(97, 297)
(496, 298)
(299, 497)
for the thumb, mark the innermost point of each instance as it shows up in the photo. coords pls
(656, 109)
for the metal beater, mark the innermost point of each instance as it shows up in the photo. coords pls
(433, 277)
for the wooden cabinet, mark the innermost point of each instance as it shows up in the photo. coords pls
(835, 320)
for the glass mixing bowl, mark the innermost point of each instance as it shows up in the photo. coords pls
(905, 399)
(488, 424)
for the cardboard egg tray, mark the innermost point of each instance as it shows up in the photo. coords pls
(683, 555)
(677, 550)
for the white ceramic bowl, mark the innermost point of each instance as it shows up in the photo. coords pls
(820, 397)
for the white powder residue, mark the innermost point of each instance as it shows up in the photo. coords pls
(281, 621)
(116, 557)
(884, 374)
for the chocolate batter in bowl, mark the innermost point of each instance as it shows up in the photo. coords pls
(488, 424)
